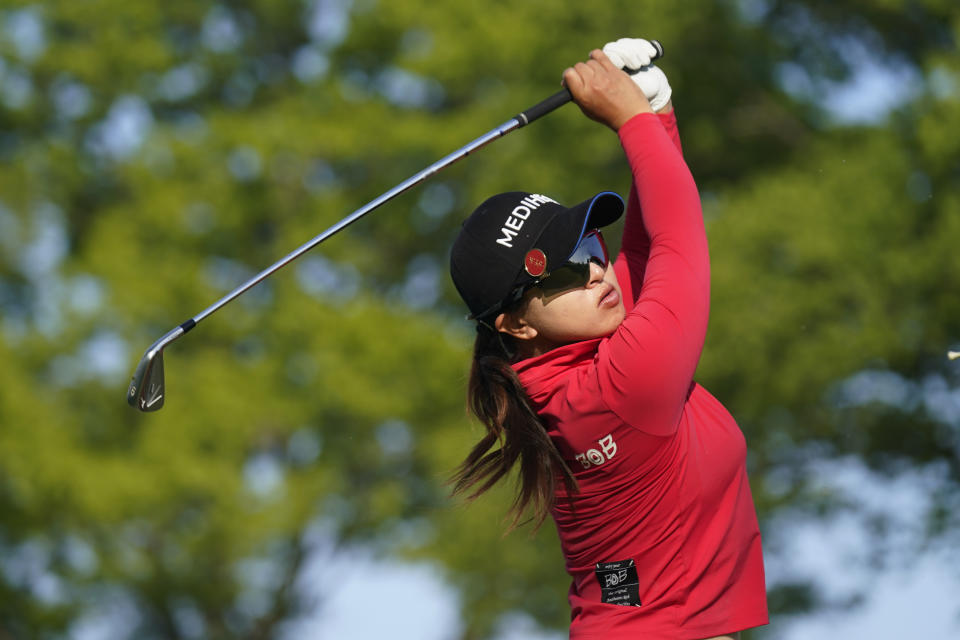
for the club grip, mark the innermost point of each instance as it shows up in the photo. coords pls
(544, 107)
(563, 96)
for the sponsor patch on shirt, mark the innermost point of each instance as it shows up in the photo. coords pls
(619, 583)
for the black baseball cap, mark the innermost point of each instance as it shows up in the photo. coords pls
(513, 238)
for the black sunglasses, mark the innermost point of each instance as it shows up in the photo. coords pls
(575, 272)
(572, 274)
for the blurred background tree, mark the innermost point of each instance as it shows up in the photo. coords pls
(156, 154)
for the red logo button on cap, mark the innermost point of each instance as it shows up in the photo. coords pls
(535, 262)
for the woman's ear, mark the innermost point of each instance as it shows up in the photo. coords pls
(514, 324)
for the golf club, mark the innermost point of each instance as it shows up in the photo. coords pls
(147, 390)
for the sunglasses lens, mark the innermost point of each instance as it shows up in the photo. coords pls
(592, 248)
(576, 271)
(569, 276)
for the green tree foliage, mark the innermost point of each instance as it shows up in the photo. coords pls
(156, 154)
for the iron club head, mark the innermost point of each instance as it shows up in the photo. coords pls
(146, 391)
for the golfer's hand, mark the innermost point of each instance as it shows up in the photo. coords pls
(603, 92)
(635, 55)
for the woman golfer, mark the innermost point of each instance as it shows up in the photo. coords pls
(583, 373)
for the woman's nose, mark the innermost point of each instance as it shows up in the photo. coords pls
(597, 273)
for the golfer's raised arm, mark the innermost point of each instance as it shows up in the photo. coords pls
(650, 361)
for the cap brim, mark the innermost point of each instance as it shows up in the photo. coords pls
(560, 238)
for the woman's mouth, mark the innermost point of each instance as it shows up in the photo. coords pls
(611, 298)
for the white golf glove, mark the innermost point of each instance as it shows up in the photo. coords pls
(635, 54)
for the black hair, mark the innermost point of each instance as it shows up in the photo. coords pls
(497, 398)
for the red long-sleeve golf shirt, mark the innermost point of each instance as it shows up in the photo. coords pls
(662, 540)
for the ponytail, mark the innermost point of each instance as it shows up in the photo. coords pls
(497, 398)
